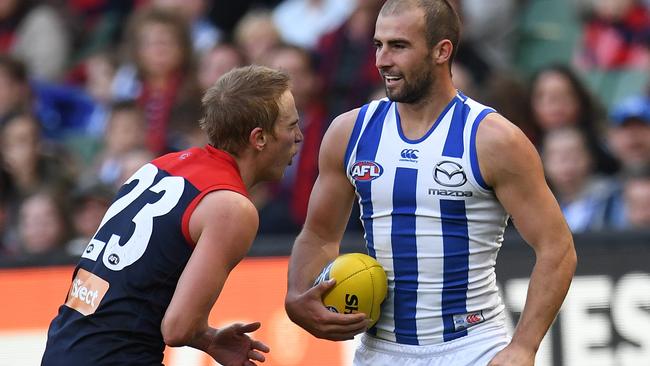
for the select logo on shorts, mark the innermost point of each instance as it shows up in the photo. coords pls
(366, 171)
(464, 321)
(86, 292)
(449, 174)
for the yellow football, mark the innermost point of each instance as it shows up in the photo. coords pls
(361, 285)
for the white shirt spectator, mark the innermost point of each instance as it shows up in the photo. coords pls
(302, 22)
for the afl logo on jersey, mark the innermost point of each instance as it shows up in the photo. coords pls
(449, 174)
(366, 170)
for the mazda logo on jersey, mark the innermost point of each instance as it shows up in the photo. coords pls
(449, 174)
(366, 170)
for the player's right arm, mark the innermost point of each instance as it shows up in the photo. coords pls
(223, 226)
(329, 209)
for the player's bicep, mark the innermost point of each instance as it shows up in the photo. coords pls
(332, 197)
(513, 168)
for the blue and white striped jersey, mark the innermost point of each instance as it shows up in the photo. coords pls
(429, 219)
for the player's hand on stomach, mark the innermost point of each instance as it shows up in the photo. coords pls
(231, 345)
(307, 310)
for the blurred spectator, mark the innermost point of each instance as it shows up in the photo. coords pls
(90, 205)
(507, 95)
(99, 71)
(256, 35)
(162, 80)
(43, 228)
(488, 35)
(616, 34)
(125, 132)
(559, 99)
(205, 35)
(36, 34)
(6, 196)
(463, 80)
(290, 196)
(629, 133)
(636, 195)
(582, 196)
(30, 165)
(347, 60)
(96, 25)
(217, 62)
(14, 87)
(302, 22)
(61, 110)
(131, 162)
(226, 14)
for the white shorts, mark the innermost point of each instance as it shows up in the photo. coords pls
(475, 349)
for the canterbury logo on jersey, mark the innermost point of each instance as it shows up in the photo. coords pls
(409, 154)
(366, 170)
(464, 321)
(86, 292)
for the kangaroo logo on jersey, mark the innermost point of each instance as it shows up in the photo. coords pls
(449, 174)
(366, 170)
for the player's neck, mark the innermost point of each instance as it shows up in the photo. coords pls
(426, 111)
(246, 170)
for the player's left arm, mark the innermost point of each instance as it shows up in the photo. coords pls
(223, 225)
(510, 164)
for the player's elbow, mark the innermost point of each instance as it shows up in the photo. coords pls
(174, 333)
(572, 259)
(559, 255)
(566, 258)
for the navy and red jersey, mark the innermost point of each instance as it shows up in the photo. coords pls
(127, 274)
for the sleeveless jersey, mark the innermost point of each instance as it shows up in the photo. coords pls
(127, 274)
(429, 219)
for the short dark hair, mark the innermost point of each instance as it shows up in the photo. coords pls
(241, 100)
(14, 68)
(441, 20)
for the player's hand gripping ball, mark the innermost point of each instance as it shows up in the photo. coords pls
(361, 285)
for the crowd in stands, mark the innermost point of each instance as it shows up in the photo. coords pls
(92, 89)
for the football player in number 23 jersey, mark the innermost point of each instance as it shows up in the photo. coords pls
(155, 267)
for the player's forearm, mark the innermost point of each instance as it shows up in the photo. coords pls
(309, 255)
(549, 283)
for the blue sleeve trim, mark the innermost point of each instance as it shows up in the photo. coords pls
(356, 131)
(473, 156)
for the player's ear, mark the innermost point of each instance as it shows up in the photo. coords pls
(257, 138)
(442, 51)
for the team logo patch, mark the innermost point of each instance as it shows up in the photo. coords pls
(449, 174)
(86, 292)
(464, 321)
(366, 171)
(409, 155)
